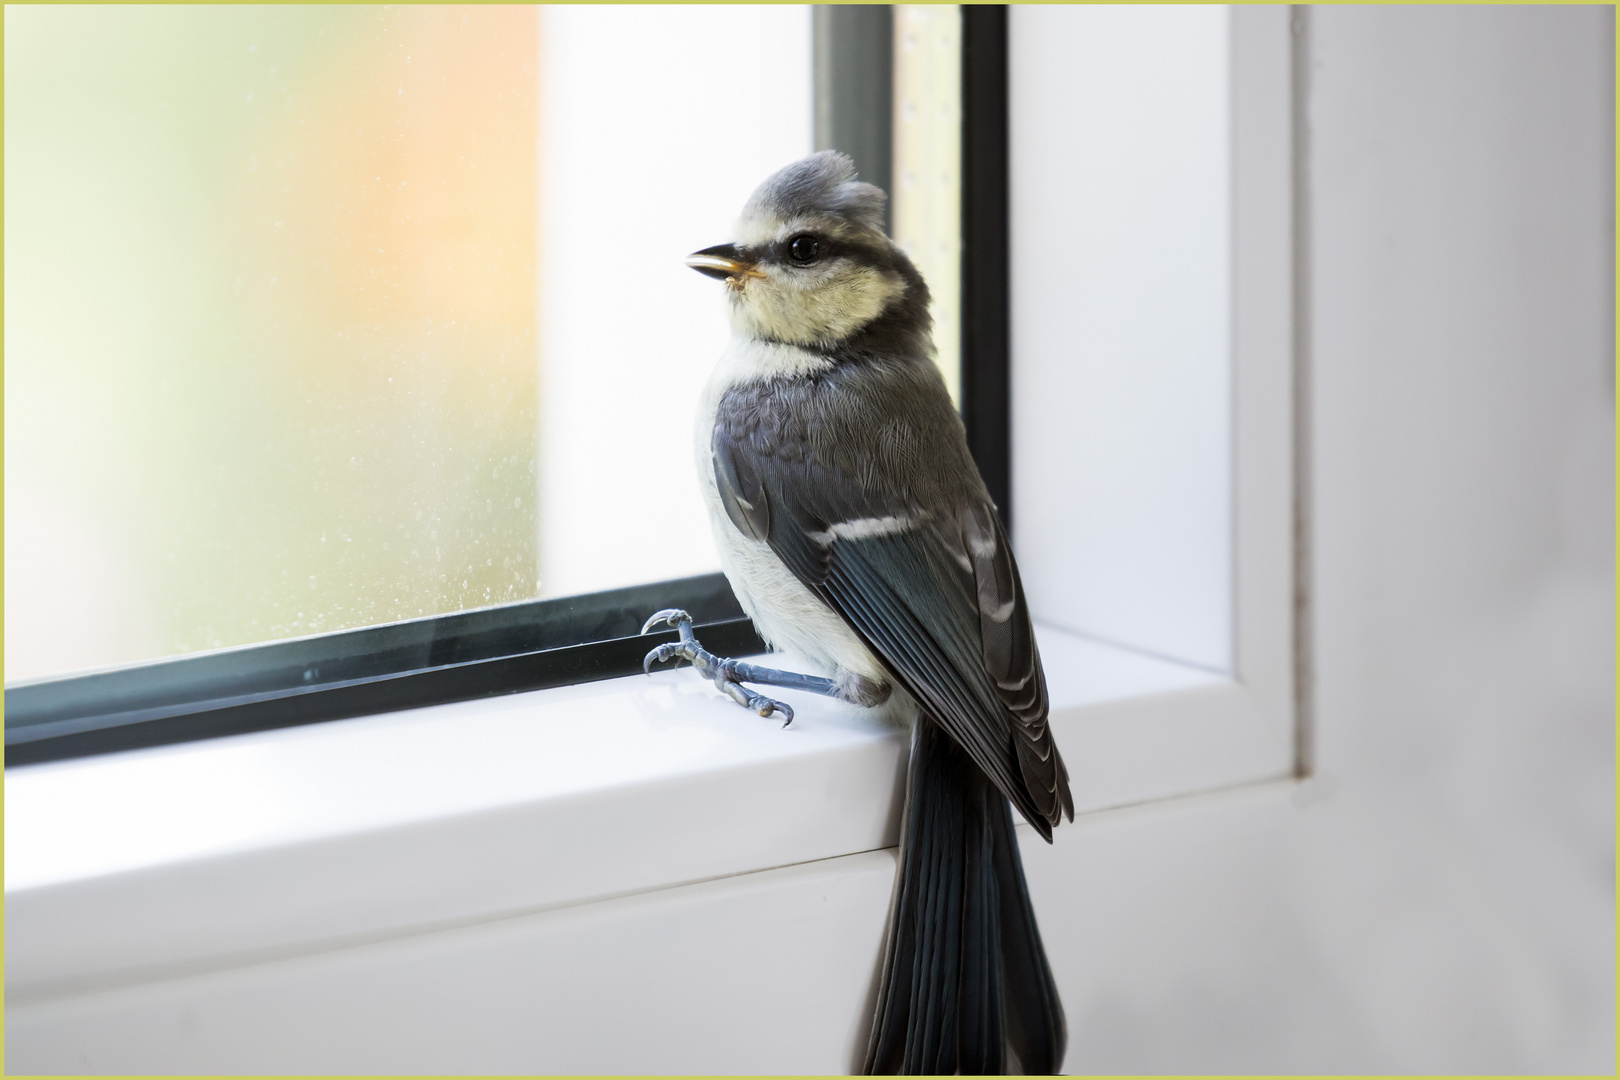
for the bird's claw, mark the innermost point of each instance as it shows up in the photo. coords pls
(687, 648)
(660, 655)
(748, 699)
(672, 616)
(722, 672)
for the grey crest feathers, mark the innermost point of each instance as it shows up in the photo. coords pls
(823, 183)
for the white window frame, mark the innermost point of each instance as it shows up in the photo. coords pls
(1244, 728)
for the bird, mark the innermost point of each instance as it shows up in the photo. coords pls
(857, 533)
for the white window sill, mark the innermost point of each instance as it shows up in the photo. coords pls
(134, 866)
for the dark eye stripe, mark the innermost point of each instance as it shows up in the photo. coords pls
(829, 248)
(804, 249)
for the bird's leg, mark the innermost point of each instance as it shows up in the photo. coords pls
(723, 672)
(729, 675)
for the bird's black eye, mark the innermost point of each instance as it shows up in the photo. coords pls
(804, 250)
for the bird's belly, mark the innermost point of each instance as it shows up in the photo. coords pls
(786, 614)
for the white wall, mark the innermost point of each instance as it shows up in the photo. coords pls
(1441, 896)
(1121, 268)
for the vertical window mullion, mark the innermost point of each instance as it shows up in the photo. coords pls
(985, 300)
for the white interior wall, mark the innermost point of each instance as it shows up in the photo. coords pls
(1121, 323)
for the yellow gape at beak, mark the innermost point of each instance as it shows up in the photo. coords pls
(723, 261)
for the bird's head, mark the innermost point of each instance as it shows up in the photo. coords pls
(811, 265)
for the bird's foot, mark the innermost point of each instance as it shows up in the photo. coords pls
(725, 674)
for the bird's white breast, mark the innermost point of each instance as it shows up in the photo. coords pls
(787, 615)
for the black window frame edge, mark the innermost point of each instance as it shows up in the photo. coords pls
(539, 644)
(986, 251)
(481, 653)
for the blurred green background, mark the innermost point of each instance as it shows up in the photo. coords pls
(270, 341)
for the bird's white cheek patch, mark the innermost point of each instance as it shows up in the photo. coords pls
(822, 310)
(853, 300)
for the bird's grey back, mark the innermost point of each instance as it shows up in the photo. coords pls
(872, 434)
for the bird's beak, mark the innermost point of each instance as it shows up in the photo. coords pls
(722, 261)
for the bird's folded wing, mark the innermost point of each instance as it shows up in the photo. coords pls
(933, 592)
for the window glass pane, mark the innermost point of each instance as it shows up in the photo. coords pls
(276, 358)
(927, 197)
(702, 104)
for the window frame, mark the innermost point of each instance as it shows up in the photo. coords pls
(485, 652)
(1252, 725)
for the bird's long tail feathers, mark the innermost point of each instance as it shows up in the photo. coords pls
(964, 974)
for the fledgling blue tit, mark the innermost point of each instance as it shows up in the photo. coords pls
(856, 532)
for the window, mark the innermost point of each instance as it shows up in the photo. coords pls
(652, 163)
(367, 331)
